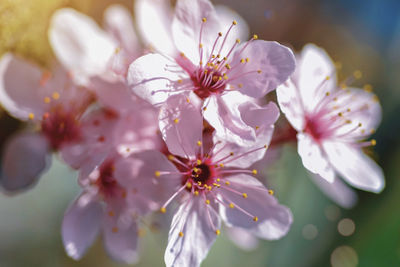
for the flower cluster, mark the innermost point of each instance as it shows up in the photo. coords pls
(176, 126)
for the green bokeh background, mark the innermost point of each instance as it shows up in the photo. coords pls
(362, 35)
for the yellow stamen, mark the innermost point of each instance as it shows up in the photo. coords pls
(31, 116)
(56, 95)
(199, 143)
(163, 210)
(157, 173)
(231, 205)
(255, 218)
(176, 121)
(373, 142)
(217, 232)
(207, 202)
(47, 100)
(271, 192)
(244, 195)
(180, 234)
(254, 171)
(255, 36)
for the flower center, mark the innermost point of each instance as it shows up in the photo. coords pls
(60, 127)
(208, 81)
(107, 184)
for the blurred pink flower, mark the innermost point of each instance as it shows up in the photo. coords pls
(207, 62)
(332, 121)
(52, 102)
(209, 184)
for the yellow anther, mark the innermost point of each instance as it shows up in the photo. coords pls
(340, 114)
(196, 193)
(359, 124)
(348, 121)
(266, 146)
(46, 100)
(242, 60)
(220, 34)
(55, 95)
(372, 131)
(271, 192)
(343, 86)
(244, 195)
(198, 162)
(238, 41)
(254, 171)
(375, 98)
(200, 46)
(31, 116)
(231, 205)
(234, 22)
(189, 185)
(327, 78)
(114, 229)
(180, 81)
(218, 56)
(255, 218)
(180, 234)
(199, 183)
(111, 213)
(117, 50)
(367, 88)
(217, 232)
(157, 174)
(257, 127)
(221, 165)
(227, 66)
(163, 210)
(335, 99)
(207, 201)
(204, 19)
(176, 120)
(218, 180)
(255, 36)
(171, 157)
(357, 74)
(227, 183)
(199, 143)
(259, 71)
(182, 54)
(247, 59)
(363, 131)
(240, 85)
(373, 142)
(327, 93)
(205, 108)
(225, 77)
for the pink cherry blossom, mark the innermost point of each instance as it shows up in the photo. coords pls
(210, 183)
(332, 122)
(49, 101)
(101, 205)
(209, 61)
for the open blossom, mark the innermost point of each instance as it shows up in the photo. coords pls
(332, 122)
(52, 103)
(209, 183)
(207, 63)
(101, 205)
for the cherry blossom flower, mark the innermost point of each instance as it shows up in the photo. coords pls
(209, 183)
(49, 101)
(332, 122)
(101, 205)
(209, 61)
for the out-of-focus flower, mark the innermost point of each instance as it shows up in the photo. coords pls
(51, 102)
(87, 50)
(207, 62)
(332, 122)
(210, 184)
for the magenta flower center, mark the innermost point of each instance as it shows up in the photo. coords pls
(208, 82)
(107, 184)
(60, 127)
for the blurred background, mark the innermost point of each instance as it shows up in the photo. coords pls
(360, 34)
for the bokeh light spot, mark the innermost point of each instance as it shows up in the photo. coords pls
(344, 256)
(332, 212)
(310, 231)
(346, 227)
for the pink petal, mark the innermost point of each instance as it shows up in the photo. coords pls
(276, 63)
(138, 174)
(337, 191)
(223, 114)
(355, 167)
(181, 126)
(274, 220)
(313, 67)
(118, 22)
(242, 238)
(121, 243)
(193, 221)
(226, 16)
(259, 117)
(113, 94)
(25, 158)
(149, 78)
(80, 226)
(313, 157)
(187, 23)
(20, 94)
(80, 44)
(358, 106)
(154, 18)
(290, 102)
